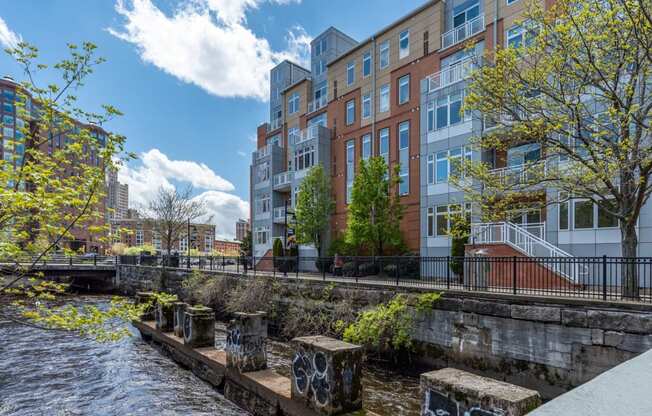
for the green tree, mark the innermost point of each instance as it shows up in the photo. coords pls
(47, 191)
(245, 247)
(375, 211)
(314, 207)
(577, 84)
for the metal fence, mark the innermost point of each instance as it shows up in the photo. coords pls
(604, 278)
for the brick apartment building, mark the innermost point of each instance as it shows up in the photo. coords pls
(398, 94)
(136, 232)
(83, 240)
(227, 248)
(242, 227)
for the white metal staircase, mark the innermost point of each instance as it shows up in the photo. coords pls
(529, 240)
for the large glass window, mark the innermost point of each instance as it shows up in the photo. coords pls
(366, 146)
(447, 111)
(384, 144)
(366, 105)
(430, 167)
(519, 35)
(431, 222)
(350, 169)
(263, 171)
(366, 64)
(404, 44)
(350, 73)
(447, 163)
(563, 213)
(404, 157)
(293, 103)
(444, 217)
(404, 89)
(384, 54)
(520, 155)
(583, 213)
(350, 112)
(384, 98)
(304, 157)
(606, 219)
(465, 13)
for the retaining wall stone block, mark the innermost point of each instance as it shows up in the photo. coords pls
(621, 321)
(536, 313)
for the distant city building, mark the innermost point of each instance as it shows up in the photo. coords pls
(227, 248)
(242, 227)
(136, 232)
(117, 197)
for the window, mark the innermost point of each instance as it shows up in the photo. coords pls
(425, 43)
(304, 158)
(605, 219)
(384, 98)
(294, 135)
(183, 244)
(366, 105)
(350, 73)
(404, 44)
(442, 165)
(263, 172)
(444, 216)
(321, 46)
(156, 240)
(446, 111)
(563, 212)
(366, 64)
(404, 157)
(350, 112)
(140, 239)
(384, 145)
(261, 235)
(320, 67)
(275, 140)
(208, 243)
(520, 155)
(384, 54)
(350, 168)
(511, 2)
(431, 222)
(465, 13)
(366, 146)
(404, 89)
(520, 35)
(293, 103)
(583, 213)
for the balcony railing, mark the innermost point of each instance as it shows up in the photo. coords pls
(318, 104)
(283, 179)
(312, 132)
(520, 174)
(275, 124)
(450, 75)
(279, 213)
(463, 32)
(263, 151)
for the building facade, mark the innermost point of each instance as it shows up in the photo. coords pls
(227, 248)
(138, 232)
(242, 227)
(13, 145)
(117, 197)
(399, 95)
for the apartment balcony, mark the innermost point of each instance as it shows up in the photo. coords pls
(450, 75)
(283, 181)
(514, 176)
(279, 215)
(263, 152)
(463, 32)
(318, 104)
(312, 132)
(275, 124)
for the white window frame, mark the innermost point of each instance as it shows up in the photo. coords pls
(208, 243)
(350, 168)
(384, 98)
(366, 105)
(433, 107)
(350, 73)
(294, 101)
(367, 147)
(404, 82)
(463, 153)
(404, 52)
(350, 111)
(384, 54)
(447, 211)
(367, 63)
(404, 172)
(383, 135)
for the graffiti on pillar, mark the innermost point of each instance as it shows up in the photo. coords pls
(187, 328)
(310, 372)
(438, 404)
(240, 349)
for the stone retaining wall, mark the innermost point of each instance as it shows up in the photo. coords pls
(549, 345)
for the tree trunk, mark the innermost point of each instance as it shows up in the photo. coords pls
(629, 245)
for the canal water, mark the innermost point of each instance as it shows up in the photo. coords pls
(55, 373)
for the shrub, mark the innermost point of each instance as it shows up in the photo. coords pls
(277, 248)
(427, 301)
(385, 328)
(339, 246)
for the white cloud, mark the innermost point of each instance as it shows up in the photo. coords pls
(225, 209)
(208, 43)
(157, 170)
(8, 38)
(241, 153)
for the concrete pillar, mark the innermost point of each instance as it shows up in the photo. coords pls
(146, 297)
(199, 327)
(327, 375)
(179, 309)
(453, 392)
(245, 342)
(165, 317)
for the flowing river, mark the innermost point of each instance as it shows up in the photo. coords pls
(55, 373)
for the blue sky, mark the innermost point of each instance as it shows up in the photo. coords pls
(190, 76)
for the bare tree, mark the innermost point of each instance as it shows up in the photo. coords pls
(171, 211)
